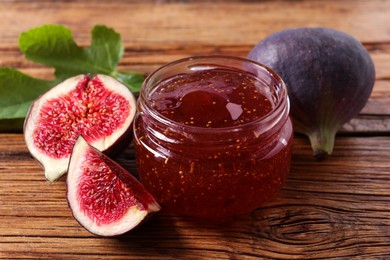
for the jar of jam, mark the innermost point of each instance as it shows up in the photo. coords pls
(213, 136)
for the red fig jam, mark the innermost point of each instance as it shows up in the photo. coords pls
(212, 135)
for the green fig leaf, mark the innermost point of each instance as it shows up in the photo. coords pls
(54, 46)
(17, 91)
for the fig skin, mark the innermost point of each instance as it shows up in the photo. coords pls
(329, 76)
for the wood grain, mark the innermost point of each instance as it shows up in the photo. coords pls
(337, 208)
(324, 210)
(177, 23)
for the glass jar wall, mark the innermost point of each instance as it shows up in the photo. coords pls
(213, 136)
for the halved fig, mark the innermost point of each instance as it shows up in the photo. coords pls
(99, 108)
(105, 198)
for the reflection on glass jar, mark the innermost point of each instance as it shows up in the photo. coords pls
(213, 136)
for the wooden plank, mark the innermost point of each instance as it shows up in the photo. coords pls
(368, 122)
(145, 55)
(138, 60)
(332, 208)
(145, 24)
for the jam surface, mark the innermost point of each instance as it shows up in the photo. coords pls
(193, 175)
(212, 99)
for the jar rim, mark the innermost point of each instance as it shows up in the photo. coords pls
(282, 106)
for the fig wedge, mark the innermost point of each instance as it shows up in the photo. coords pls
(103, 197)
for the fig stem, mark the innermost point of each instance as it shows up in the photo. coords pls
(322, 142)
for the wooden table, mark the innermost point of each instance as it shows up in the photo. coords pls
(337, 208)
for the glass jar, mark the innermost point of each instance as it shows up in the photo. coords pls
(195, 168)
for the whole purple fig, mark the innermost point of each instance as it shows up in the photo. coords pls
(329, 76)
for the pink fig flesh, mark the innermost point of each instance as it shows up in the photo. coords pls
(105, 198)
(99, 108)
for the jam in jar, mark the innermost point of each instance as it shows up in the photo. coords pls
(213, 136)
